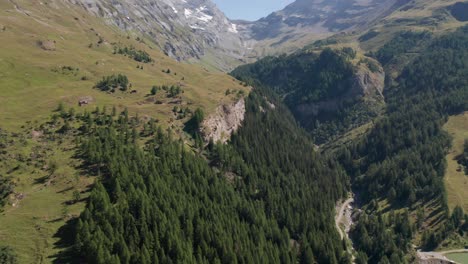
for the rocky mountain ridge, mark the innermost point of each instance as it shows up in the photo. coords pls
(198, 31)
(183, 29)
(304, 21)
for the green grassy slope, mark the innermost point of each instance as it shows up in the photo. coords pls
(456, 182)
(45, 177)
(419, 15)
(33, 83)
(30, 89)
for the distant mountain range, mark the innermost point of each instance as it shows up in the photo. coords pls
(198, 31)
(183, 29)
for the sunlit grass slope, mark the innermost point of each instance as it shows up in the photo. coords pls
(30, 85)
(456, 182)
(38, 39)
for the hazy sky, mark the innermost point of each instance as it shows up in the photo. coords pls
(250, 9)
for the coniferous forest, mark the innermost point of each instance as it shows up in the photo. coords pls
(255, 199)
(322, 84)
(303, 77)
(402, 159)
(165, 204)
(174, 131)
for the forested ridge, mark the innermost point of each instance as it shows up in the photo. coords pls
(323, 82)
(402, 43)
(165, 204)
(289, 176)
(402, 160)
(406, 149)
(304, 77)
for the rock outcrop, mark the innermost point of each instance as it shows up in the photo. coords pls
(226, 120)
(48, 45)
(368, 82)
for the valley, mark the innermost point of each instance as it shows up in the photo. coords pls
(165, 132)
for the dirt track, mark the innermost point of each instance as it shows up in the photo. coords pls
(432, 257)
(340, 213)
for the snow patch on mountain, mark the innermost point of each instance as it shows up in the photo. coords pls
(199, 14)
(233, 28)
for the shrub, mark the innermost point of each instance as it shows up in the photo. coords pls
(110, 83)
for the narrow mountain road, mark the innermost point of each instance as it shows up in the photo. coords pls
(340, 214)
(454, 251)
(432, 255)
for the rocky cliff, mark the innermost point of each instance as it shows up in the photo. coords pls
(227, 119)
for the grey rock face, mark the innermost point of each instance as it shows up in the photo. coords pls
(322, 16)
(184, 29)
(197, 29)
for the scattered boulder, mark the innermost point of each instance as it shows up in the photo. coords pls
(16, 198)
(85, 100)
(36, 134)
(48, 45)
(231, 177)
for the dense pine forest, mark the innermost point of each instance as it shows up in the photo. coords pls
(176, 131)
(408, 144)
(401, 44)
(402, 160)
(303, 77)
(322, 82)
(163, 203)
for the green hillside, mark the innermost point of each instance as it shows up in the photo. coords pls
(329, 92)
(397, 167)
(41, 43)
(104, 156)
(51, 56)
(456, 176)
